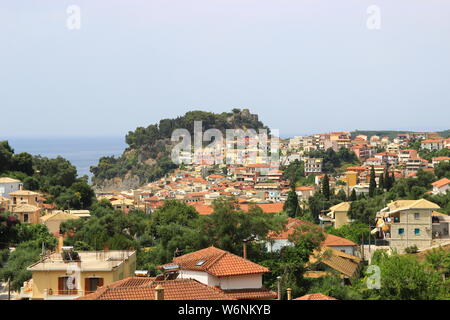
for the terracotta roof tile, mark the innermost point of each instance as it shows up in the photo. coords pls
(315, 296)
(218, 263)
(178, 289)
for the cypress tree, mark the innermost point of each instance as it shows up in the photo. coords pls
(372, 183)
(291, 206)
(353, 195)
(326, 187)
(387, 180)
(381, 182)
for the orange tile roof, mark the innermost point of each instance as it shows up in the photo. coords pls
(288, 230)
(303, 188)
(202, 209)
(441, 158)
(331, 240)
(441, 183)
(251, 294)
(218, 263)
(315, 296)
(177, 289)
(265, 207)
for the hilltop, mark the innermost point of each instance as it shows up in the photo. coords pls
(391, 134)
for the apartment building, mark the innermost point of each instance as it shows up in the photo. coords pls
(432, 144)
(405, 223)
(313, 165)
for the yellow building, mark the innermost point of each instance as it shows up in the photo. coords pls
(350, 178)
(339, 214)
(54, 220)
(58, 278)
(406, 223)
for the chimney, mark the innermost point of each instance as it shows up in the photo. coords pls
(289, 293)
(159, 292)
(60, 244)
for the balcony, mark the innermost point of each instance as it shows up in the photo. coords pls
(63, 294)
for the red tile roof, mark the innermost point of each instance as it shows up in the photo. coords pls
(137, 289)
(441, 183)
(288, 230)
(251, 294)
(315, 296)
(218, 263)
(335, 241)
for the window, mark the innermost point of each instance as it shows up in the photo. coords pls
(91, 284)
(401, 231)
(417, 231)
(67, 286)
(25, 217)
(416, 215)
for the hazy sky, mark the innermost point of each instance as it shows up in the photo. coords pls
(303, 65)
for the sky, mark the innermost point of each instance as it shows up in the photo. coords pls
(304, 66)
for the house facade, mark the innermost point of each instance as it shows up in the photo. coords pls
(406, 223)
(8, 185)
(55, 278)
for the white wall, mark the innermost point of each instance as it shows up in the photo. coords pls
(253, 281)
(277, 245)
(7, 188)
(200, 276)
(347, 249)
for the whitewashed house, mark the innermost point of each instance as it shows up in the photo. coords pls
(8, 185)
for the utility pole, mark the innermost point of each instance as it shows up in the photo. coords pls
(279, 287)
(362, 245)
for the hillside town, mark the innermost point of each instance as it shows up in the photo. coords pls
(327, 175)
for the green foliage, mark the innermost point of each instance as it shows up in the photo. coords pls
(404, 278)
(290, 262)
(291, 206)
(30, 239)
(326, 187)
(443, 170)
(372, 183)
(333, 286)
(365, 210)
(438, 261)
(333, 159)
(294, 172)
(411, 249)
(355, 231)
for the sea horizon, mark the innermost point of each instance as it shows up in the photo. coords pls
(82, 151)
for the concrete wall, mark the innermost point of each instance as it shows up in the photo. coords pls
(45, 280)
(233, 282)
(340, 219)
(253, 281)
(408, 222)
(7, 188)
(347, 249)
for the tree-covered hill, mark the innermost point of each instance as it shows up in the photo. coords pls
(391, 134)
(147, 156)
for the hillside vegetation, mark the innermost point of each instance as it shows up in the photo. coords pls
(147, 156)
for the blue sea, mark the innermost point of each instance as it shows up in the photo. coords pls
(82, 152)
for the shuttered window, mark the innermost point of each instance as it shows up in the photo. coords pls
(64, 288)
